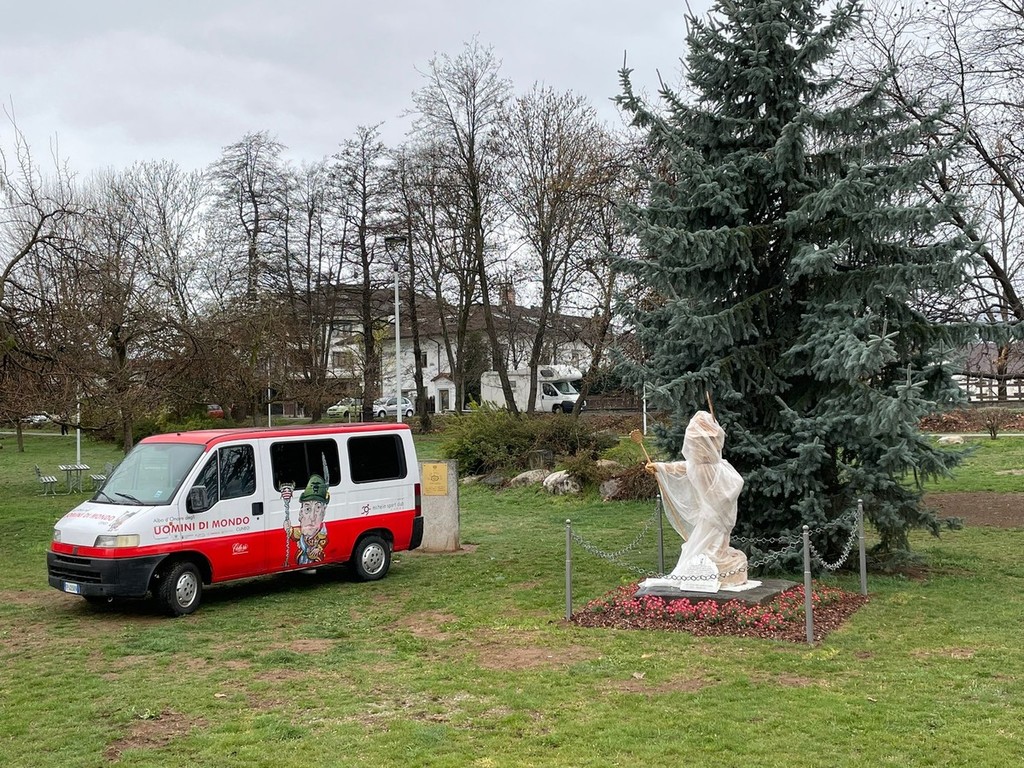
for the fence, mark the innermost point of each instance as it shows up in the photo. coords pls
(790, 543)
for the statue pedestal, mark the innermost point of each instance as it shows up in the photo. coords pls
(768, 591)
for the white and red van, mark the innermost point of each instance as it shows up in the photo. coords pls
(193, 508)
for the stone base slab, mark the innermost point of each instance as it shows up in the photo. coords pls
(768, 591)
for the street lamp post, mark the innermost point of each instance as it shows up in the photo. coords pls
(391, 243)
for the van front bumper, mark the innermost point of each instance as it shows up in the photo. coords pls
(101, 577)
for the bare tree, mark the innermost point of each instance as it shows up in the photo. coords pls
(247, 226)
(457, 113)
(247, 183)
(551, 144)
(34, 208)
(964, 61)
(446, 266)
(308, 285)
(360, 176)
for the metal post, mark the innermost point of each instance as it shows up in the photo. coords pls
(398, 355)
(645, 408)
(808, 606)
(661, 537)
(568, 570)
(863, 554)
(78, 434)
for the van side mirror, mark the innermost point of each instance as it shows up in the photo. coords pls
(198, 500)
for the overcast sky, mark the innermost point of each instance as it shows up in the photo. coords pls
(115, 81)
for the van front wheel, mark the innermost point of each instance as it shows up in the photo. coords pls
(371, 558)
(181, 589)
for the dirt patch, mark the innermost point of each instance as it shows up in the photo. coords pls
(495, 654)
(153, 731)
(998, 510)
(427, 624)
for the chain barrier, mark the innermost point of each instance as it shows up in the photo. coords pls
(793, 545)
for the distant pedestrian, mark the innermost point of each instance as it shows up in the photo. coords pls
(63, 426)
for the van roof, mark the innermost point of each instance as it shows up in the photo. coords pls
(210, 437)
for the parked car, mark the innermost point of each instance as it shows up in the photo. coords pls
(386, 407)
(36, 419)
(349, 406)
(214, 411)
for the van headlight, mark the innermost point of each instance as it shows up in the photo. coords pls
(124, 540)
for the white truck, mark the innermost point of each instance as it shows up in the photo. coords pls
(555, 388)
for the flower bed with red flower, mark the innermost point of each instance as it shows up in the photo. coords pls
(780, 619)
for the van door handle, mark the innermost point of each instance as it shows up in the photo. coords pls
(257, 508)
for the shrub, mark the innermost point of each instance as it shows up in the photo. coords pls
(635, 485)
(626, 452)
(584, 469)
(489, 439)
(994, 419)
(485, 439)
(565, 436)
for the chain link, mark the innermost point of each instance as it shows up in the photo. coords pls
(614, 555)
(842, 558)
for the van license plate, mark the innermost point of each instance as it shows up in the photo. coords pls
(71, 587)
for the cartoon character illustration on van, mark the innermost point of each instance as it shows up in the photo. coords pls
(310, 534)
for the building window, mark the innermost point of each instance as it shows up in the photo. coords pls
(343, 359)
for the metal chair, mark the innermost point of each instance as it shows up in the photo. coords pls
(49, 482)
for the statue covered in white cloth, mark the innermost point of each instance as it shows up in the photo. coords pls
(700, 496)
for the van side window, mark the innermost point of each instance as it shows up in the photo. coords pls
(229, 474)
(296, 461)
(237, 471)
(376, 457)
(208, 477)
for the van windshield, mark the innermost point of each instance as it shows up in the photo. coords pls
(565, 387)
(150, 474)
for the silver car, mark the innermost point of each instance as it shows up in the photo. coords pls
(386, 407)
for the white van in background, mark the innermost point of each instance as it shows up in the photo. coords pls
(556, 391)
(189, 509)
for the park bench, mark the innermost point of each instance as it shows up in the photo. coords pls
(49, 482)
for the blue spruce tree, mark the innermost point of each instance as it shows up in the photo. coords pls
(788, 255)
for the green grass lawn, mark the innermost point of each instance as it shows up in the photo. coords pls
(465, 660)
(989, 466)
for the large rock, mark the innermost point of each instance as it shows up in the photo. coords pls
(610, 489)
(561, 483)
(530, 477)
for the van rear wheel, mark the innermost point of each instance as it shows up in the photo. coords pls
(371, 558)
(181, 589)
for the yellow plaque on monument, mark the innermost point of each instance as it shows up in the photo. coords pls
(435, 479)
